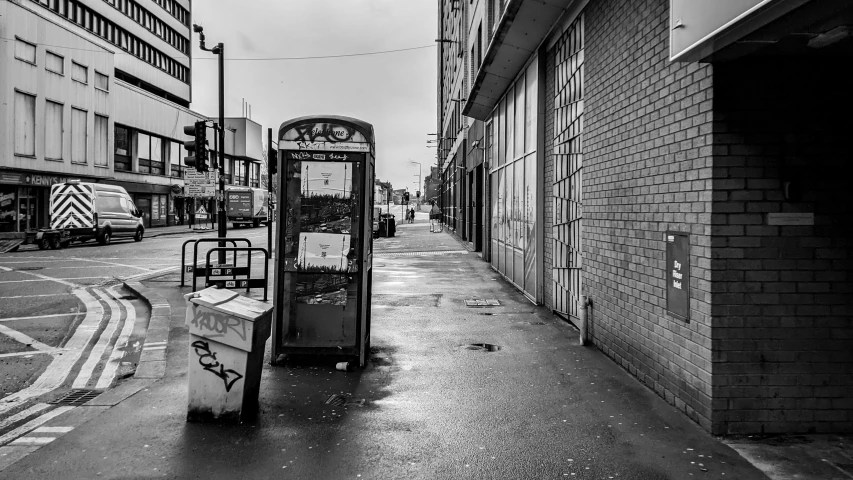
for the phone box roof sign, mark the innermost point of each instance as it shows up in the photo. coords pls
(332, 133)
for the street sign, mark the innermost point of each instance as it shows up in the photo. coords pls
(194, 177)
(200, 190)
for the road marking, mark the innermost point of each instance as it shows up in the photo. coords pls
(13, 419)
(33, 317)
(108, 263)
(53, 430)
(5, 269)
(31, 441)
(45, 277)
(149, 344)
(36, 422)
(147, 348)
(61, 366)
(59, 280)
(25, 339)
(24, 354)
(150, 272)
(103, 342)
(111, 367)
(33, 296)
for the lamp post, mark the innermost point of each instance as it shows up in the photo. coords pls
(219, 50)
(420, 171)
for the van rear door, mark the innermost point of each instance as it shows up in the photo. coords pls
(72, 206)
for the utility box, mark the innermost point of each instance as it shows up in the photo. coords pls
(323, 269)
(228, 333)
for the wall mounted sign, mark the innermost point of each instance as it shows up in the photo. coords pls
(35, 179)
(678, 275)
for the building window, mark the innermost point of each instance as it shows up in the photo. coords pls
(121, 159)
(151, 155)
(101, 140)
(25, 124)
(79, 72)
(54, 63)
(53, 130)
(79, 135)
(175, 160)
(102, 82)
(25, 51)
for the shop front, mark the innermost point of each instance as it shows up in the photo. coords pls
(25, 199)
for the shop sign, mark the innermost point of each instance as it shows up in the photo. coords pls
(34, 179)
(678, 275)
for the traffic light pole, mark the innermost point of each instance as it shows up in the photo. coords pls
(220, 157)
(269, 190)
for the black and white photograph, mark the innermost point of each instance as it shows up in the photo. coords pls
(426, 239)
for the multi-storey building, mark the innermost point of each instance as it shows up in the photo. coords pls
(99, 90)
(675, 163)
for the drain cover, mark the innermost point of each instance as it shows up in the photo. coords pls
(339, 400)
(476, 302)
(483, 347)
(77, 397)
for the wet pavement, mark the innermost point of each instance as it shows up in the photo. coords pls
(451, 391)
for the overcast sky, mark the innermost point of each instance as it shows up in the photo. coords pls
(396, 92)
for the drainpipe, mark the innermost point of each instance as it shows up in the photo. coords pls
(583, 316)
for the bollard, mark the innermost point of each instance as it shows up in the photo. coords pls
(583, 303)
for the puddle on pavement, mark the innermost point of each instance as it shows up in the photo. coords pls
(483, 347)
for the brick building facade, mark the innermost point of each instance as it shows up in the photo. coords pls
(736, 148)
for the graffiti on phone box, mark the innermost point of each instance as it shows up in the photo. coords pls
(207, 359)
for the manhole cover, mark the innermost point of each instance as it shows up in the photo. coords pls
(77, 397)
(483, 347)
(339, 400)
(395, 300)
(477, 302)
(22, 269)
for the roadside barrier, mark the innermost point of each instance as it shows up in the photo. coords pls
(213, 270)
(200, 271)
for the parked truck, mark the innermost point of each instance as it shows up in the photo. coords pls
(247, 206)
(81, 211)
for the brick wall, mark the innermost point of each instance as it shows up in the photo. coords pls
(782, 295)
(647, 169)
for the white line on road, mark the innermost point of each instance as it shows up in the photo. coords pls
(22, 415)
(32, 441)
(61, 366)
(53, 430)
(45, 277)
(36, 422)
(25, 339)
(5, 269)
(33, 296)
(24, 354)
(151, 272)
(51, 279)
(111, 367)
(33, 317)
(108, 263)
(103, 342)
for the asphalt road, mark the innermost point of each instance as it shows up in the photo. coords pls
(67, 323)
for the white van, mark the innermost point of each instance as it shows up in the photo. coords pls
(81, 211)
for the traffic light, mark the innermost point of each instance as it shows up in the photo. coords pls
(406, 198)
(418, 193)
(197, 146)
(273, 161)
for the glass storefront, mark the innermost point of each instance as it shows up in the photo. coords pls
(512, 134)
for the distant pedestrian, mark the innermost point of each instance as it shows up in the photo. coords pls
(434, 218)
(411, 215)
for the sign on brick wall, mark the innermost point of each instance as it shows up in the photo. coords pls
(678, 275)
